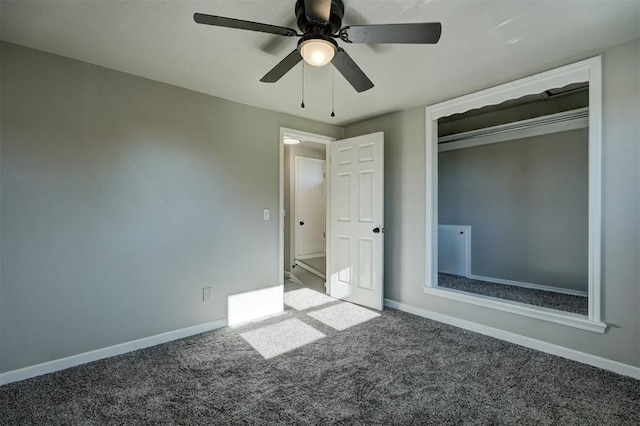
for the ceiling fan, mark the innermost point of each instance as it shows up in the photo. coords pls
(320, 22)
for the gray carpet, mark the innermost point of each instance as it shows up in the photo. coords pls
(357, 367)
(547, 299)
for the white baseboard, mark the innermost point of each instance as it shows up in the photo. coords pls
(109, 351)
(572, 354)
(530, 285)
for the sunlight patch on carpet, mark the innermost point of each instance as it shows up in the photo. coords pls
(343, 315)
(305, 298)
(282, 337)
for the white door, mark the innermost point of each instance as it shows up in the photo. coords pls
(309, 205)
(356, 220)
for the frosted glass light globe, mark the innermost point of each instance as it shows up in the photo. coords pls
(317, 52)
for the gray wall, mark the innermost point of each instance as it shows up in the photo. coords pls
(305, 149)
(405, 225)
(121, 198)
(527, 203)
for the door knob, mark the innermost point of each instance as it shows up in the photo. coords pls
(376, 230)
(301, 223)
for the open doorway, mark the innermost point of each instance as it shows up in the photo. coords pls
(305, 186)
(517, 174)
(308, 209)
(353, 235)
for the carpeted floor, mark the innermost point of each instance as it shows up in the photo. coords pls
(328, 362)
(547, 299)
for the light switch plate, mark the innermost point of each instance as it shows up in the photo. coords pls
(266, 215)
(207, 294)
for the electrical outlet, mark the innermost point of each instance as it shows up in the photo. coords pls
(207, 294)
(266, 214)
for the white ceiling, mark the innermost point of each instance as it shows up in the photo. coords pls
(483, 43)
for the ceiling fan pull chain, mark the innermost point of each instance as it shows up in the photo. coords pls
(302, 104)
(333, 92)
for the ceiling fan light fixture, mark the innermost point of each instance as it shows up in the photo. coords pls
(317, 52)
(291, 141)
(321, 24)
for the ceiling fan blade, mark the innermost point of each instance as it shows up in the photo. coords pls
(276, 73)
(422, 33)
(275, 45)
(351, 71)
(220, 21)
(318, 11)
(353, 17)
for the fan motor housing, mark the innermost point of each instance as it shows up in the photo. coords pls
(332, 26)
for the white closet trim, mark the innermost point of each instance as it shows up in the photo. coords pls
(553, 123)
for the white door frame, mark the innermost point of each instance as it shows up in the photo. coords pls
(307, 137)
